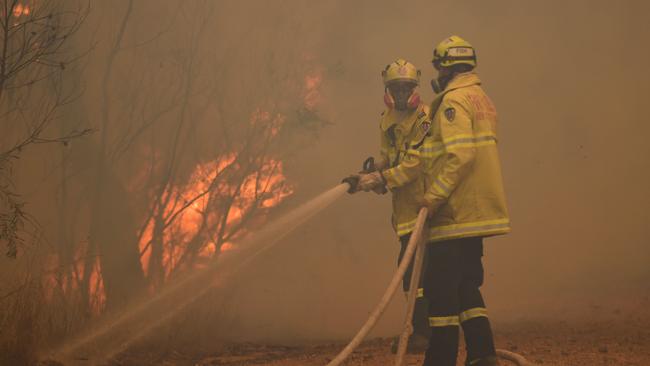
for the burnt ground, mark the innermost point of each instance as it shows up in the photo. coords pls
(598, 336)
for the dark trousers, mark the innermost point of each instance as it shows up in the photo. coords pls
(451, 281)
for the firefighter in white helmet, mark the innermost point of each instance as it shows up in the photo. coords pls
(466, 203)
(405, 153)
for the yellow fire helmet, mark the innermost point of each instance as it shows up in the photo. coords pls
(453, 51)
(401, 70)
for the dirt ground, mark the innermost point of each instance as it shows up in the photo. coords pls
(602, 335)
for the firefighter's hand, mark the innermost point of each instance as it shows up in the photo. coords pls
(381, 189)
(370, 181)
(353, 181)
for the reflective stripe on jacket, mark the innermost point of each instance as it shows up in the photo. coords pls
(465, 185)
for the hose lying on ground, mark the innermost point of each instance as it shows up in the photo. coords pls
(511, 356)
(388, 295)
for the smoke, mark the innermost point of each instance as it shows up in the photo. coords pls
(570, 83)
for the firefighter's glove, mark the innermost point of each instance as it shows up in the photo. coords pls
(380, 189)
(371, 181)
(353, 181)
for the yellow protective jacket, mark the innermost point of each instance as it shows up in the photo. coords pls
(466, 188)
(406, 152)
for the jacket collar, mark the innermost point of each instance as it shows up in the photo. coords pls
(404, 121)
(459, 81)
(463, 80)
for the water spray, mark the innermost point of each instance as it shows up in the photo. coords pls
(119, 331)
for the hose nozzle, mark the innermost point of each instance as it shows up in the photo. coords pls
(353, 181)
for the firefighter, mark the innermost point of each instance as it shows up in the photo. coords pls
(466, 203)
(405, 153)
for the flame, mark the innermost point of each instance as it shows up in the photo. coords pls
(70, 282)
(20, 10)
(145, 248)
(312, 84)
(264, 188)
(96, 291)
(208, 250)
(211, 248)
(227, 246)
(193, 203)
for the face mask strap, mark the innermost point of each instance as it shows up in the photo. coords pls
(435, 86)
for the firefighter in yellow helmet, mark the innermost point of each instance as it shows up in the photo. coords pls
(405, 153)
(466, 203)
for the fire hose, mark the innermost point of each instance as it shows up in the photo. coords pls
(415, 245)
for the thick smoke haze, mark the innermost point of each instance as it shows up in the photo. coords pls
(570, 81)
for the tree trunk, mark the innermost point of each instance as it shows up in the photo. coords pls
(113, 233)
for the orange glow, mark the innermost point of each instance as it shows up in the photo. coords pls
(145, 247)
(200, 198)
(227, 246)
(208, 250)
(71, 282)
(96, 290)
(203, 216)
(268, 122)
(312, 94)
(20, 10)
